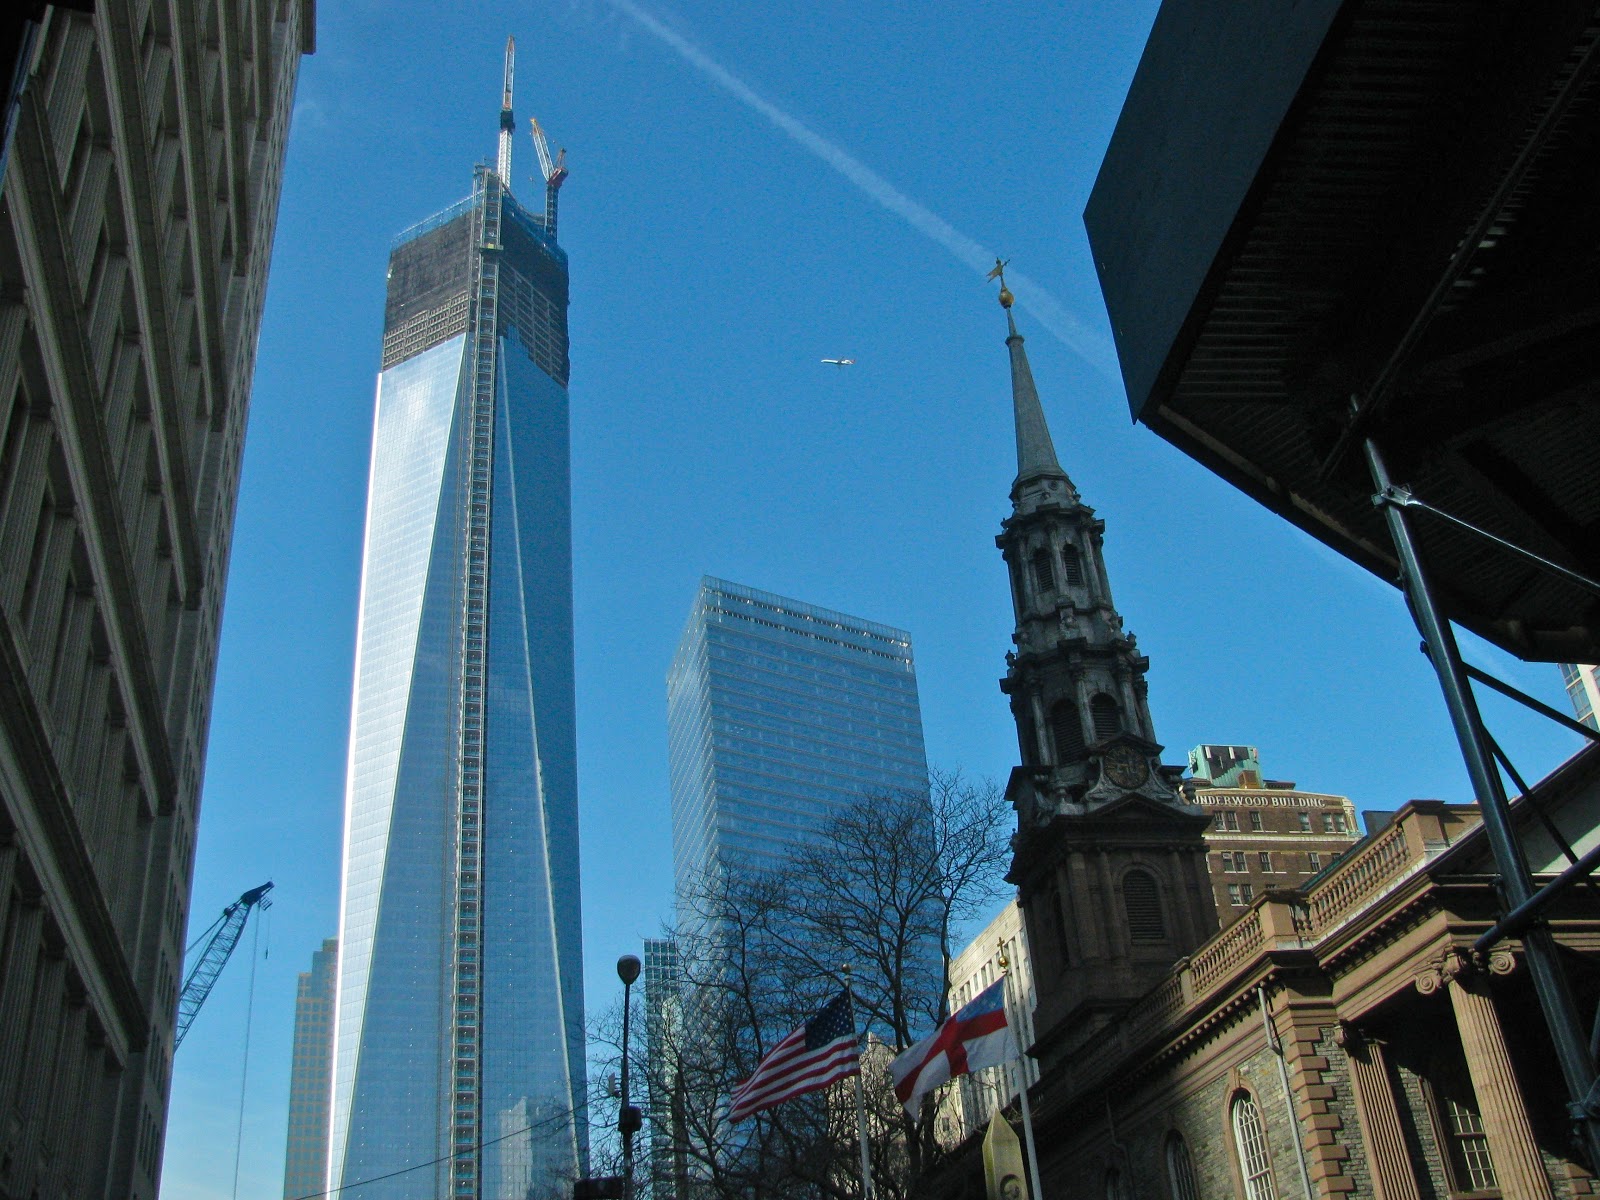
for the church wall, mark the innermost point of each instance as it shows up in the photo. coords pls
(1422, 1140)
(1192, 1095)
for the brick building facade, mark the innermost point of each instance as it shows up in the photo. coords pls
(1265, 833)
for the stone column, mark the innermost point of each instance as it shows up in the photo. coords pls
(1043, 741)
(1392, 1176)
(1517, 1164)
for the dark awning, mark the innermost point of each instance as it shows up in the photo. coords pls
(1285, 193)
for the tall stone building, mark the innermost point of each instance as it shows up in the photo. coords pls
(1110, 862)
(136, 221)
(305, 1159)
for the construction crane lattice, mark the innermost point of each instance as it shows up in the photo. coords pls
(224, 937)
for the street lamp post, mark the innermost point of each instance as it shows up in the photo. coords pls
(629, 1118)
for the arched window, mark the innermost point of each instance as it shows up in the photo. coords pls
(1180, 1169)
(1072, 565)
(1107, 717)
(1250, 1143)
(1044, 573)
(1116, 1189)
(1067, 728)
(1141, 899)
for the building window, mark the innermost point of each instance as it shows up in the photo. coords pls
(1305, 822)
(1106, 717)
(1250, 1141)
(1266, 861)
(1255, 821)
(1316, 860)
(1180, 1169)
(1333, 822)
(1455, 1111)
(1235, 897)
(1067, 729)
(1217, 822)
(1231, 820)
(1142, 901)
(1248, 891)
(1072, 565)
(1044, 573)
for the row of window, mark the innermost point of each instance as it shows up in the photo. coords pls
(1250, 1150)
(1454, 1114)
(1237, 862)
(1227, 821)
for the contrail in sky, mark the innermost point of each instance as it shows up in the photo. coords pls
(1087, 343)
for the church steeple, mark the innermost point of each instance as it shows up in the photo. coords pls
(1036, 452)
(1109, 860)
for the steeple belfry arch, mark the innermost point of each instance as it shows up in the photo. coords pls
(1097, 812)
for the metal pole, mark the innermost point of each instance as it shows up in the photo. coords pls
(867, 1189)
(1022, 1076)
(1550, 982)
(1275, 1044)
(625, 1113)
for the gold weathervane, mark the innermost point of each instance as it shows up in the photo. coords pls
(999, 272)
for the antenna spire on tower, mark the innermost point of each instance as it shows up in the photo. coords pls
(508, 124)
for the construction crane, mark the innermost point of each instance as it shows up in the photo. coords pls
(220, 941)
(508, 123)
(554, 174)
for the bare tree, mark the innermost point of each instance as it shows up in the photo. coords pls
(884, 886)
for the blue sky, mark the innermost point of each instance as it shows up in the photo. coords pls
(753, 188)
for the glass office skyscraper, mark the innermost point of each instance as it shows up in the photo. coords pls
(781, 714)
(460, 1001)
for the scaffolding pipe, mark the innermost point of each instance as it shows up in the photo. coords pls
(1518, 919)
(1550, 981)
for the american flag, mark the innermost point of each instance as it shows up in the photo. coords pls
(822, 1051)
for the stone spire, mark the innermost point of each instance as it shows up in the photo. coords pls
(1036, 453)
(1110, 862)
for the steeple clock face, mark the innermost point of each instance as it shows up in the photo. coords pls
(1125, 767)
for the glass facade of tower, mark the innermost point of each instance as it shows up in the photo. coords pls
(460, 1005)
(781, 714)
(663, 1014)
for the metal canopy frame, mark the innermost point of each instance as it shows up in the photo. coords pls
(1397, 221)
(1575, 1052)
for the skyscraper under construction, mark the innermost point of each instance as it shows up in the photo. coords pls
(459, 1029)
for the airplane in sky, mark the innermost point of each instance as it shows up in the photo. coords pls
(840, 362)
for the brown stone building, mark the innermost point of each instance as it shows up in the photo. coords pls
(1265, 833)
(1340, 1037)
(1341, 1034)
(137, 212)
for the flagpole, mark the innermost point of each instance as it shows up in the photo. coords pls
(861, 1103)
(1022, 1080)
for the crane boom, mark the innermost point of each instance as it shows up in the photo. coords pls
(202, 976)
(508, 123)
(554, 174)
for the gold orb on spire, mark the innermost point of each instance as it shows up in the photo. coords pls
(999, 272)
